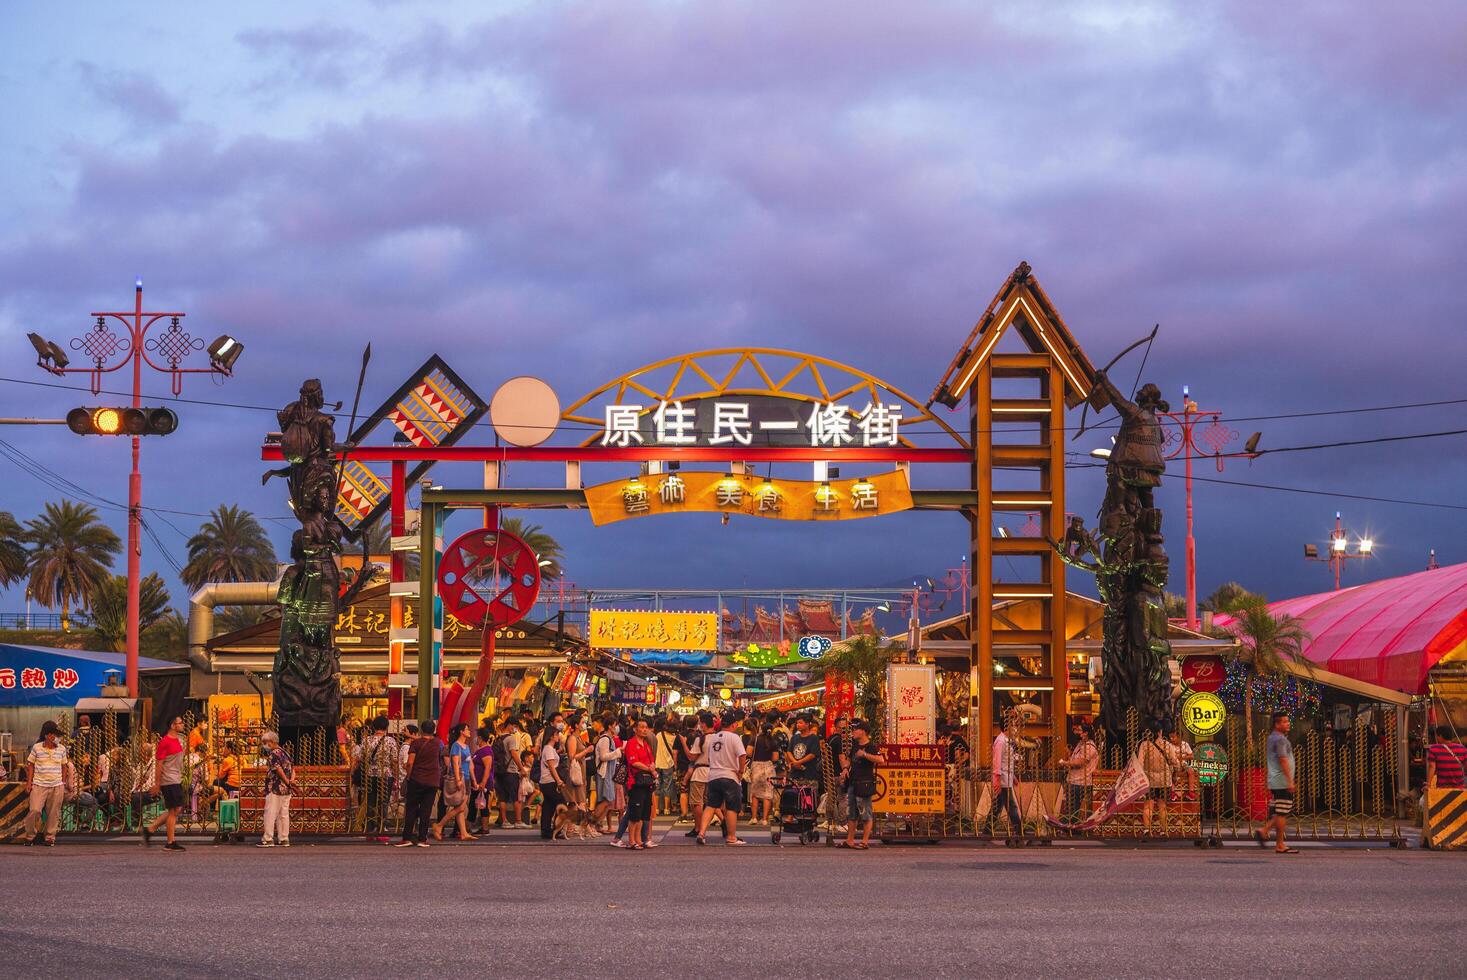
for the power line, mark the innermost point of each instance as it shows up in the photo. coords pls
(1313, 492)
(581, 426)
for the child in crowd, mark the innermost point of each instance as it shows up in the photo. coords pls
(529, 789)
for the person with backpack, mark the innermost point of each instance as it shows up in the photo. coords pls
(666, 759)
(507, 775)
(608, 749)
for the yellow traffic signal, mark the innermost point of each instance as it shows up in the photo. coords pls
(107, 421)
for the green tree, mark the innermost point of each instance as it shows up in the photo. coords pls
(546, 548)
(166, 638)
(227, 619)
(71, 554)
(230, 546)
(863, 661)
(1267, 645)
(109, 608)
(12, 550)
(1230, 597)
(1176, 605)
(378, 539)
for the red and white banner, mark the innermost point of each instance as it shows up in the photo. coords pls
(1130, 786)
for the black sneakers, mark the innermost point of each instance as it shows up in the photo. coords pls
(173, 846)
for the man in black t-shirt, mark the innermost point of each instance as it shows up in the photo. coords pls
(860, 777)
(803, 757)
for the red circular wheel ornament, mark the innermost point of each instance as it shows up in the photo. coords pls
(488, 576)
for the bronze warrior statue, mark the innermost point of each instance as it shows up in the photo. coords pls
(1130, 565)
(307, 676)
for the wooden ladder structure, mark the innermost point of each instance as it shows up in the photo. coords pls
(1019, 435)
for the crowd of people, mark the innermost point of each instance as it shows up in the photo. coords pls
(581, 775)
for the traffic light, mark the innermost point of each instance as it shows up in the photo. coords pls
(121, 421)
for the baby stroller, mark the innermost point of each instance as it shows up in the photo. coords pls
(798, 809)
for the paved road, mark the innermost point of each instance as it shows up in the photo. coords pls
(517, 908)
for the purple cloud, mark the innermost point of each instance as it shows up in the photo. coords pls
(138, 96)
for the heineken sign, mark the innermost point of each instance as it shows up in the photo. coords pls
(1210, 762)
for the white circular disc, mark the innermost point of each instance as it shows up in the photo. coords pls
(524, 411)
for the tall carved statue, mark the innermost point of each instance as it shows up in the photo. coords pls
(307, 675)
(1130, 565)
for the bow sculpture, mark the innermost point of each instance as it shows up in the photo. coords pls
(1147, 340)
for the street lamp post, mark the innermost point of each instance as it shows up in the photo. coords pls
(109, 351)
(1182, 440)
(1339, 549)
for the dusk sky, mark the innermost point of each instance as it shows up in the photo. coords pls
(574, 190)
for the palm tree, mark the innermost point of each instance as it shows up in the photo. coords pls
(166, 638)
(862, 660)
(1230, 597)
(12, 550)
(378, 539)
(1267, 645)
(71, 552)
(546, 548)
(230, 547)
(109, 608)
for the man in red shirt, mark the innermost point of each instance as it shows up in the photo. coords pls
(1445, 760)
(169, 761)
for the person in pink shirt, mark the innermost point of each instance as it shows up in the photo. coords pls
(169, 762)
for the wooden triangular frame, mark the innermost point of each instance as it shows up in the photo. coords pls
(1022, 304)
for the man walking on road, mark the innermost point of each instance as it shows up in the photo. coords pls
(1280, 754)
(1005, 779)
(168, 762)
(725, 754)
(48, 773)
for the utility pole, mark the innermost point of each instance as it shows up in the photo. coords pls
(1339, 549)
(110, 350)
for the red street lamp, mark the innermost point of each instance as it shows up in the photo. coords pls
(110, 350)
(1182, 439)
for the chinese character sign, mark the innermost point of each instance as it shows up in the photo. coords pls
(706, 491)
(751, 420)
(33, 677)
(910, 779)
(911, 710)
(618, 630)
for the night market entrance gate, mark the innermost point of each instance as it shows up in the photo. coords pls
(745, 408)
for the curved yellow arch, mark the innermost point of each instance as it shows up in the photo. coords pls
(754, 372)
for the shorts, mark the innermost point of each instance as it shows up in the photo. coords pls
(858, 808)
(759, 774)
(724, 794)
(639, 803)
(507, 787)
(697, 792)
(1282, 803)
(172, 795)
(667, 783)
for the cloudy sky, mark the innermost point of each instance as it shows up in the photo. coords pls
(573, 190)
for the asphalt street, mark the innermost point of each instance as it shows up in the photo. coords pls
(504, 907)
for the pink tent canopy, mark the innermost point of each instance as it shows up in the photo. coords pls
(1390, 632)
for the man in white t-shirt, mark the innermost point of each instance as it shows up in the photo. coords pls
(725, 754)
